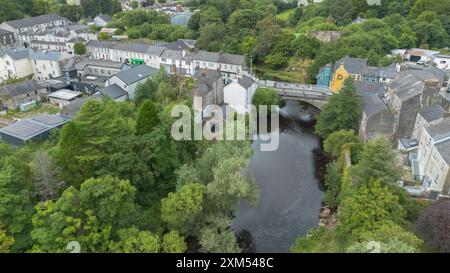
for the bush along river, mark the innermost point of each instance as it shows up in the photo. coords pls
(290, 182)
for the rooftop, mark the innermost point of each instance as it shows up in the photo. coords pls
(20, 88)
(136, 73)
(64, 94)
(113, 91)
(371, 96)
(440, 130)
(352, 65)
(26, 129)
(432, 113)
(32, 21)
(444, 150)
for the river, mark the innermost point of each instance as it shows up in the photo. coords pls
(290, 198)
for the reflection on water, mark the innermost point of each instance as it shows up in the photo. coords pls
(290, 197)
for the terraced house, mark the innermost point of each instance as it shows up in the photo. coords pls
(178, 57)
(33, 24)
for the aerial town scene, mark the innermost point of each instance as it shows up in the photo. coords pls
(224, 126)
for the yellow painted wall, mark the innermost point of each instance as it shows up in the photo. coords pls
(339, 76)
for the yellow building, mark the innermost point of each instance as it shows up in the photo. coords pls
(347, 67)
(339, 76)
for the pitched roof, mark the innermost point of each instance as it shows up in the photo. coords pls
(206, 80)
(26, 129)
(20, 88)
(81, 65)
(32, 21)
(432, 113)
(371, 93)
(444, 150)
(352, 65)
(412, 81)
(246, 81)
(47, 55)
(439, 130)
(4, 31)
(216, 57)
(105, 17)
(136, 73)
(113, 91)
(16, 53)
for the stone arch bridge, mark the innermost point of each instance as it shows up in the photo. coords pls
(312, 94)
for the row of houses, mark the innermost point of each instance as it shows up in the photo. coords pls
(177, 57)
(23, 62)
(334, 76)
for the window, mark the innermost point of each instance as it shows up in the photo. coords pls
(163, 60)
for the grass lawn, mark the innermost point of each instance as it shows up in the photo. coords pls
(294, 72)
(284, 16)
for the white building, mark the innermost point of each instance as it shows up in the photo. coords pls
(63, 97)
(239, 93)
(175, 57)
(433, 158)
(129, 79)
(102, 20)
(47, 64)
(33, 24)
(15, 63)
(442, 61)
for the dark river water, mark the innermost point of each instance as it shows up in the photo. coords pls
(290, 197)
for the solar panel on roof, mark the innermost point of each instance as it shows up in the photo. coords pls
(24, 129)
(49, 119)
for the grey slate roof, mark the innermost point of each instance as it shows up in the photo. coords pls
(105, 17)
(18, 54)
(371, 93)
(113, 91)
(412, 81)
(81, 65)
(4, 31)
(26, 129)
(136, 73)
(133, 47)
(432, 113)
(177, 45)
(206, 80)
(246, 81)
(155, 50)
(20, 88)
(28, 22)
(101, 44)
(440, 130)
(216, 57)
(444, 150)
(352, 65)
(46, 55)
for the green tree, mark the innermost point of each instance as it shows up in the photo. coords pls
(265, 96)
(89, 215)
(172, 242)
(377, 162)
(333, 184)
(366, 209)
(180, 208)
(148, 117)
(131, 240)
(335, 141)
(85, 142)
(16, 207)
(48, 183)
(79, 48)
(5, 241)
(318, 240)
(342, 112)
